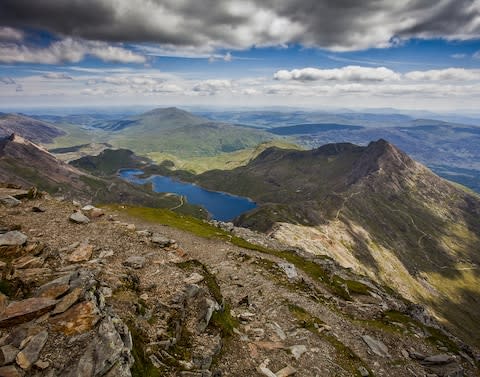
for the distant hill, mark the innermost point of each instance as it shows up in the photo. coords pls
(376, 210)
(178, 132)
(29, 128)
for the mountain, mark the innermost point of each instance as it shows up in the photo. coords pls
(28, 128)
(177, 132)
(374, 210)
(26, 164)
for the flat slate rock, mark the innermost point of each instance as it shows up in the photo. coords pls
(31, 352)
(26, 310)
(13, 238)
(9, 201)
(377, 347)
(79, 218)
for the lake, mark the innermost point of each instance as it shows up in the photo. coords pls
(221, 206)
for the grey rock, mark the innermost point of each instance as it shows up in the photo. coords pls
(289, 270)
(79, 218)
(108, 348)
(298, 350)
(161, 240)
(135, 261)
(10, 371)
(209, 306)
(9, 201)
(194, 278)
(13, 238)
(38, 209)
(30, 354)
(438, 359)
(363, 372)
(377, 347)
(8, 354)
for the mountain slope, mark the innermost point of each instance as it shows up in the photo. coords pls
(375, 210)
(26, 164)
(28, 128)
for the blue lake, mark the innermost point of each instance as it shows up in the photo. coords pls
(221, 206)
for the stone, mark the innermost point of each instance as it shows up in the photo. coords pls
(79, 218)
(285, 372)
(131, 227)
(26, 310)
(38, 209)
(10, 371)
(209, 306)
(135, 261)
(31, 352)
(30, 275)
(8, 353)
(96, 212)
(27, 261)
(76, 320)
(438, 359)
(106, 254)
(67, 301)
(41, 364)
(81, 254)
(298, 350)
(376, 346)
(289, 270)
(144, 233)
(9, 201)
(55, 288)
(194, 278)
(13, 238)
(76, 203)
(161, 240)
(108, 348)
(363, 371)
(88, 207)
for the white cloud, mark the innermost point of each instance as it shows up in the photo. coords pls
(476, 55)
(458, 56)
(448, 74)
(349, 73)
(57, 76)
(212, 87)
(67, 50)
(8, 34)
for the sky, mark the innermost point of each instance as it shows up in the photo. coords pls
(416, 54)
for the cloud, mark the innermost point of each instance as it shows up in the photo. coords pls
(8, 34)
(7, 81)
(211, 87)
(458, 56)
(349, 73)
(67, 50)
(448, 74)
(476, 55)
(57, 76)
(236, 24)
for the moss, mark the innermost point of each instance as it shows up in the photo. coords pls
(345, 356)
(142, 366)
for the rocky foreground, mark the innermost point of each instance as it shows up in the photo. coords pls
(91, 292)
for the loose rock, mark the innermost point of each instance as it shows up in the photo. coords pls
(377, 347)
(79, 218)
(26, 310)
(135, 261)
(13, 238)
(31, 352)
(9, 201)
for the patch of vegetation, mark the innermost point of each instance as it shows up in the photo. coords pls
(142, 366)
(345, 356)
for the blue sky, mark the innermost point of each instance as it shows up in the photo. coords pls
(418, 55)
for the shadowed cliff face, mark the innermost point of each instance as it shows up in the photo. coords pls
(28, 128)
(394, 218)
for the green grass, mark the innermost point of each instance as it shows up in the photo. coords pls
(345, 357)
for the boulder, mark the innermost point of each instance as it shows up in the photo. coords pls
(9, 201)
(23, 311)
(79, 218)
(376, 346)
(76, 320)
(161, 240)
(289, 270)
(30, 354)
(54, 288)
(13, 238)
(10, 371)
(297, 350)
(8, 353)
(135, 261)
(81, 254)
(67, 301)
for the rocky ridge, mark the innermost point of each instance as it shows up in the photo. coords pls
(92, 292)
